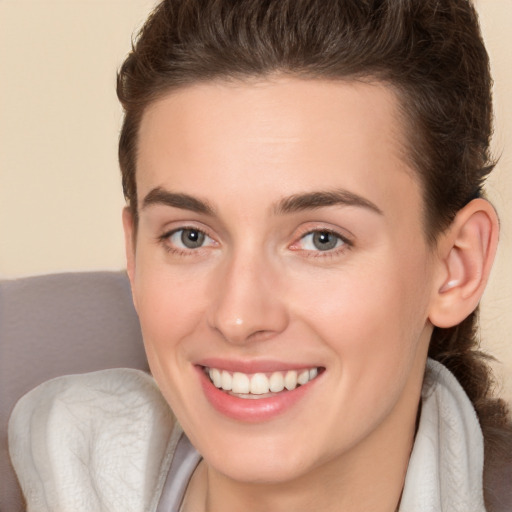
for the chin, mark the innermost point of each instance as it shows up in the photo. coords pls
(257, 459)
(258, 470)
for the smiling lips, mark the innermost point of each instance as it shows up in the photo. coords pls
(259, 385)
(256, 391)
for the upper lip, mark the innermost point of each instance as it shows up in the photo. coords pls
(253, 366)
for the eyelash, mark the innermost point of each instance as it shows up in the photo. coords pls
(165, 242)
(328, 253)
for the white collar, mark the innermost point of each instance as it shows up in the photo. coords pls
(445, 472)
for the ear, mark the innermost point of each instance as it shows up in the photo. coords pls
(465, 253)
(129, 246)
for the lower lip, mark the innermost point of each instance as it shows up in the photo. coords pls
(252, 410)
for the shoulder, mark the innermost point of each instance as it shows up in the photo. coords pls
(98, 401)
(83, 442)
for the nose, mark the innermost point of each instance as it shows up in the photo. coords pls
(247, 303)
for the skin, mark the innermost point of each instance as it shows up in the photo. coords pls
(259, 290)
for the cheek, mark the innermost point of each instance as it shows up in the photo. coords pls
(372, 317)
(169, 304)
(169, 310)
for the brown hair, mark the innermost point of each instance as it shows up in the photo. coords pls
(430, 51)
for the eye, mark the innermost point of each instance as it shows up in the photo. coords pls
(321, 241)
(188, 238)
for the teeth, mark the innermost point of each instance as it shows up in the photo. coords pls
(276, 382)
(216, 377)
(260, 383)
(240, 383)
(303, 377)
(227, 381)
(290, 380)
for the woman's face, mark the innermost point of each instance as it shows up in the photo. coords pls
(280, 243)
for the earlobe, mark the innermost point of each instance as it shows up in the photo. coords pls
(465, 256)
(129, 245)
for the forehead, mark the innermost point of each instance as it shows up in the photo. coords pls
(280, 107)
(284, 135)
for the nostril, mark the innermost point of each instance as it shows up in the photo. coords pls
(261, 335)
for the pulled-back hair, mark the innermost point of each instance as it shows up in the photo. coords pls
(429, 51)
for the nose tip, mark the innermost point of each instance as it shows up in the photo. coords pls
(237, 331)
(247, 305)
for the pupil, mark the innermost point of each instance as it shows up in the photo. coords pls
(192, 238)
(324, 241)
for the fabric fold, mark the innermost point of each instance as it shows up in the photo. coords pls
(445, 472)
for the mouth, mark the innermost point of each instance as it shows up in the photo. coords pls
(260, 385)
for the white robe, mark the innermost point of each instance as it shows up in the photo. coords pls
(104, 442)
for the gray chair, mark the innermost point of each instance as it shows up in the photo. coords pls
(55, 325)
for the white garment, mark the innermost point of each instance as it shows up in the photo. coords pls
(97, 442)
(104, 441)
(445, 472)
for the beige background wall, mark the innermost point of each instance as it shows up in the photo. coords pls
(60, 197)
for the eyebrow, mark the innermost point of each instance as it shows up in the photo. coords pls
(183, 201)
(291, 204)
(322, 199)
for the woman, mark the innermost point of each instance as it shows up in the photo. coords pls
(304, 228)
